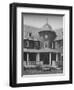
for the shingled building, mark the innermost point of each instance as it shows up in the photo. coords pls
(42, 46)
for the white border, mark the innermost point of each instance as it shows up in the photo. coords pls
(43, 78)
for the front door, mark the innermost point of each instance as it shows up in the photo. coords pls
(44, 57)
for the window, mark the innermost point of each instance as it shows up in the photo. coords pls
(46, 44)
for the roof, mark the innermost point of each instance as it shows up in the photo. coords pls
(30, 29)
(35, 30)
(42, 50)
(47, 27)
(59, 33)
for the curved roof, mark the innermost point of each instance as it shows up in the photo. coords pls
(35, 30)
(47, 27)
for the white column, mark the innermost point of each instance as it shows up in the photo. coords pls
(27, 58)
(56, 57)
(50, 58)
(52, 44)
(55, 44)
(37, 58)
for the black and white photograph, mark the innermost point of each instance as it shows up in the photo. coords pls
(42, 44)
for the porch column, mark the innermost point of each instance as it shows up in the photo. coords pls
(37, 58)
(27, 58)
(52, 44)
(49, 58)
(56, 57)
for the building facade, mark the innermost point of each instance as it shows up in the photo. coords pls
(42, 47)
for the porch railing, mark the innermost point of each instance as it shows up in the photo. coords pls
(32, 63)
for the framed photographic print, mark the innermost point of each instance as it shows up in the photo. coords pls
(40, 44)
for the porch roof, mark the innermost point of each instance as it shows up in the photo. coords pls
(47, 50)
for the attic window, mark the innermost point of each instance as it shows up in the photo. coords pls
(30, 34)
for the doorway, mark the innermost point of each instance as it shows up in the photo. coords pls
(44, 57)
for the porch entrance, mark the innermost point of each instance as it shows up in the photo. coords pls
(44, 57)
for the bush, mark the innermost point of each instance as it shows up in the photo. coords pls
(38, 67)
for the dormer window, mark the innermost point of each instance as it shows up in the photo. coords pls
(30, 34)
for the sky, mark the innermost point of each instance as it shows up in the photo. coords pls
(36, 20)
